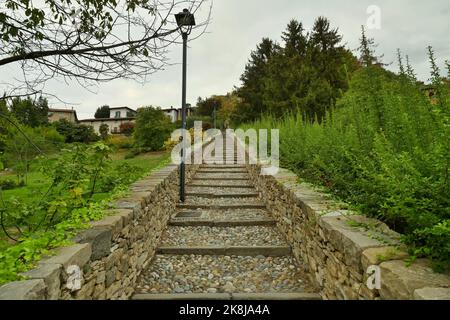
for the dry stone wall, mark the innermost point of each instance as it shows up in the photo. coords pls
(338, 247)
(107, 258)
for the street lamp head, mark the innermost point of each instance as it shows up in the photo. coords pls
(185, 19)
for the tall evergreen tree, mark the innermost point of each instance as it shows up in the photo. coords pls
(253, 82)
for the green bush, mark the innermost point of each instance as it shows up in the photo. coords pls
(76, 132)
(9, 184)
(152, 129)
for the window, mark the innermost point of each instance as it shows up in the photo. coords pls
(117, 114)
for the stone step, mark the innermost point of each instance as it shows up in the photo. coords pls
(180, 222)
(222, 171)
(222, 195)
(221, 207)
(298, 296)
(198, 274)
(248, 186)
(278, 251)
(223, 238)
(222, 215)
(196, 178)
(222, 166)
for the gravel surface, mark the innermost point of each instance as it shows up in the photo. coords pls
(222, 201)
(218, 274)
(221, 183)
(221, 190)
(235, 236)
(222, 175)
(232, 214)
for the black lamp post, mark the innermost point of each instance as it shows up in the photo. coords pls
(185, 22)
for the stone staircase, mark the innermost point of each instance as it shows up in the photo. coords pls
(222, 243)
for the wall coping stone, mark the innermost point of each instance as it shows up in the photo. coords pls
(24, 290)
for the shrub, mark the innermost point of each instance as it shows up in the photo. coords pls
(120, 142)
(75, 132)
(9, 184)
(152, 129)
(127, 128)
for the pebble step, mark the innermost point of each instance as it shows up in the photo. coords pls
(222, 171)
(297, 296)
(221, 207)
(222, 215)
(222, 195)
(222, 237)
(278, 251)
(221, 185)
(219, 179)
(180, 222)
(198, 274)
(222, 166)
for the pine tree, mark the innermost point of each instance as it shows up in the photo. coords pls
(252, 79)
(295, 41)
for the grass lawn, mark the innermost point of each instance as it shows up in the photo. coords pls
(38, 182)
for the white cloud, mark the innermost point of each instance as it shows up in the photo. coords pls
(217, 59)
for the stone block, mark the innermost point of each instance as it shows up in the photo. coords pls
(399, 282)
(375, 256)
(50, 273)
(100, 240)
(24, 290)
(114, 223)
(348, 240)
(78, 254)
(432, 294)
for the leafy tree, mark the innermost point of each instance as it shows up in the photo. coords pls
(152, 128)
(104, 130)
(91, 41)
(206, 107)
(29, 112)
(76, 132)
(102, 113)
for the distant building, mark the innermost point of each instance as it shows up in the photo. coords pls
(122, 112)
(175, 114)
(118, 116)
(55, 115)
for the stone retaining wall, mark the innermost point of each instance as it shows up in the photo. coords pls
(112, 253)
(337, 246)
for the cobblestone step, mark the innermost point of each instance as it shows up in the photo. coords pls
(221, 190)
(181, 274)
(221, 223)
(222, 207)
(221, 195)
(222, 166)
(231, 296)
(224, 184)
(275, 251)
(224, 178)
(222, 171)
(248, 236)
(222, 215)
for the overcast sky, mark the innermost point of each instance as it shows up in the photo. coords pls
(217, 59)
